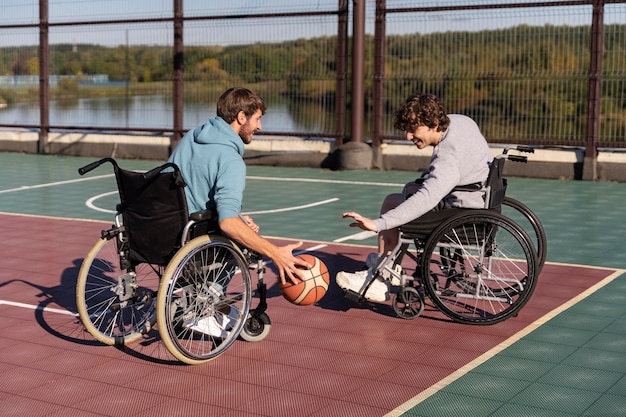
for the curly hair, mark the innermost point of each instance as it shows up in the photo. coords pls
(421, 110)
(237, 99)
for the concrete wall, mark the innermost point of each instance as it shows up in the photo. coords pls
(294, 151)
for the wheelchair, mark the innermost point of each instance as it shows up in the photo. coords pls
(477, 266)
(158, 264)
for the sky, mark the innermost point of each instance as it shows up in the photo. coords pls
(220, 32)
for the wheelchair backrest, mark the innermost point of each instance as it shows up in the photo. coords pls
(495, 184)
(154, 212)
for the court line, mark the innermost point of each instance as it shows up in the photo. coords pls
(37, 307)
(433, 389)
(382, 184)
(317, 203)
(357, 236)
(90, 204)
(52, 184)
(71, 313)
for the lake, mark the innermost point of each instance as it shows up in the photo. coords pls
(156, 112)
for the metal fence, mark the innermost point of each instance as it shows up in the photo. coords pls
(549, 73)
(546, 73)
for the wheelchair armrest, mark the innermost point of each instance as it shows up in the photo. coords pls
(518, 158)
(203, 215)
(477, 186)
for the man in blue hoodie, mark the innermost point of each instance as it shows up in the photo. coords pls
(210, 158)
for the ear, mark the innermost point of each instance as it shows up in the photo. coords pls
(241, 117)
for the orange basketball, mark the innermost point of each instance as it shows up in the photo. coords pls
(312, 288)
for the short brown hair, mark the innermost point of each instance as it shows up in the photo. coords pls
(421, 110)
(237, 99)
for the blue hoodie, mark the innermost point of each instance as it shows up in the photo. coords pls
(210, 158)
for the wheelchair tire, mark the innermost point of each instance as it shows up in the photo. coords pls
(204, 299)
(257, 327)
(115, 306)
(408, 303)
(525, 217)
(482, 267)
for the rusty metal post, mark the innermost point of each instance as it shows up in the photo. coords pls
(378, 86)
(590, 164)
(342, 63)
(44, 92)
(179, 68)
(357, 154)
(358, 70)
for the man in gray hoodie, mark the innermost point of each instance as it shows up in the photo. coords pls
(461, 156)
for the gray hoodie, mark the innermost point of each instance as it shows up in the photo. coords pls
(461, 157)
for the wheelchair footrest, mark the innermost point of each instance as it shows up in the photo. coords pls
(353, 296)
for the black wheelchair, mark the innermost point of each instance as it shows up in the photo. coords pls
(158, 264)
(477, 266)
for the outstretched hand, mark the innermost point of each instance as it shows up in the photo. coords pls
(361, 222)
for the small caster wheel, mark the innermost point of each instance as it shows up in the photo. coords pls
(408, 303)
(257, 326)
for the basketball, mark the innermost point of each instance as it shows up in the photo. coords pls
(312, 288)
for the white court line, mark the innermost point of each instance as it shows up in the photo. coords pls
(36, 307)
(52, 184)
(381, 184)
(91, 205)
(90, 202)
(317, 203)
(70, 313)
(312, 248)
(357, 236)
(433, 389)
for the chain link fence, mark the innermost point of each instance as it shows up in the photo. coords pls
(522, 70)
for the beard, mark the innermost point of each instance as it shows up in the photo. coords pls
(246, 132)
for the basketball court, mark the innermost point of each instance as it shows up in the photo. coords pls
(563, 355)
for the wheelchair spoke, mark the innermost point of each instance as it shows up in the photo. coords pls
(115, 306)
(204, 299)
(480, 267)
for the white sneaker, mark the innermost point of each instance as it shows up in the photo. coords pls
(216, 325)
(356, 281)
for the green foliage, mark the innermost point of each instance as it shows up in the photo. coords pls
(68, 85)
(7, 96)
(517, 82)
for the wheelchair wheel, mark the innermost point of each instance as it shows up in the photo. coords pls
(257, 327)
(204, 299)
(408, 303)
(482, 268)
(116, 306)
(525, 217)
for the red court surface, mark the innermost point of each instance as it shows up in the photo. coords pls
(337, 358)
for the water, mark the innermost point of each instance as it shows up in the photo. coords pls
(156, 112)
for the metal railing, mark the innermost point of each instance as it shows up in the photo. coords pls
(571, 94)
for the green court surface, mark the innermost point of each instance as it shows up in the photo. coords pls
(584, 221)
(571, 363)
